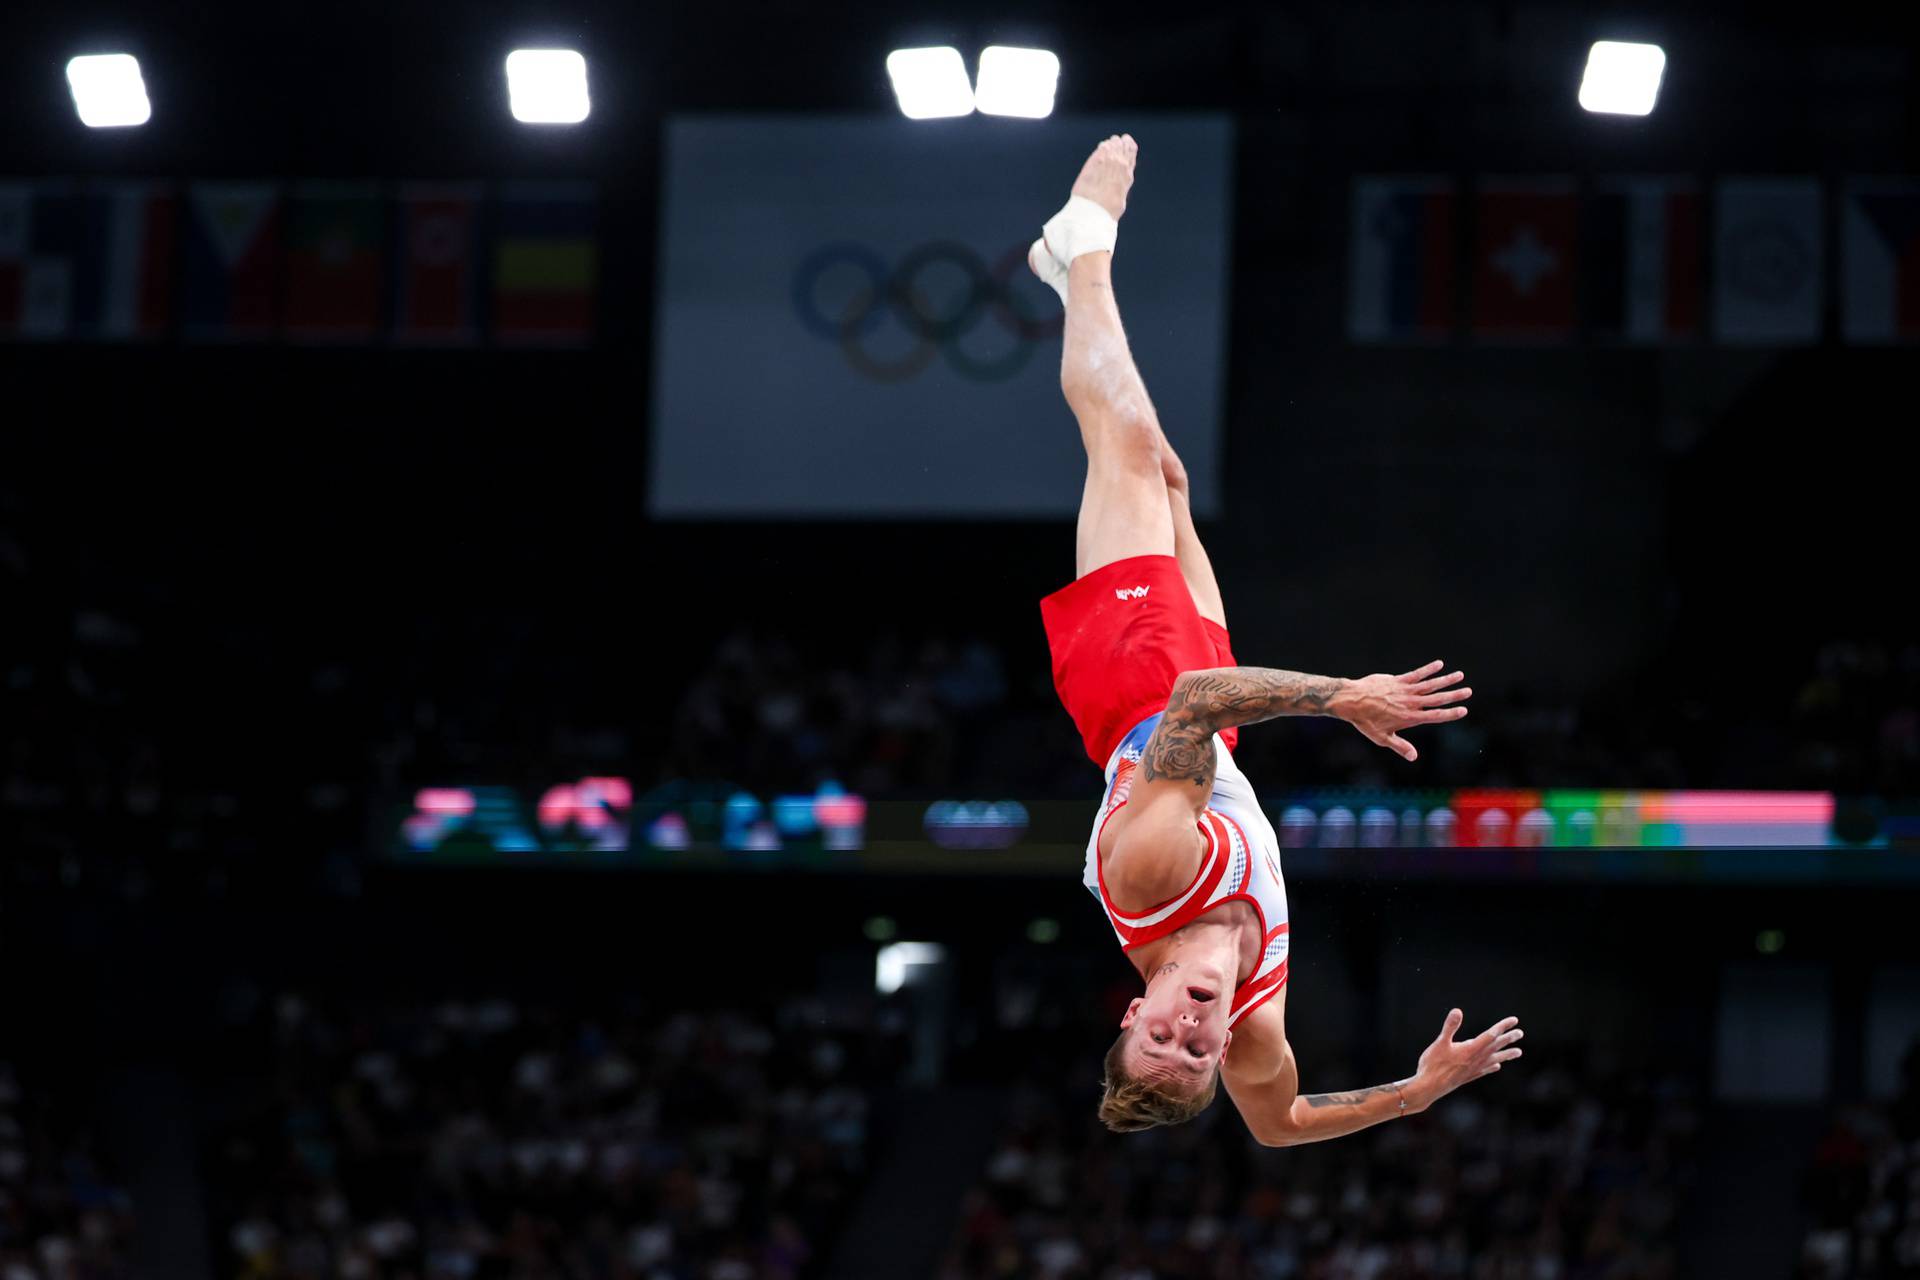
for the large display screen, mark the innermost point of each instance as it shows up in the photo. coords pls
(846, 325)
(601, 821)
(1565, 819)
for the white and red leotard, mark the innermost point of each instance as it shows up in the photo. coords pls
(1241, 864)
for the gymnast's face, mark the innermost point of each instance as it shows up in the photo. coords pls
(1179, 1032)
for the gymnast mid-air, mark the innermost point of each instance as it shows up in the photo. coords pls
(1181, 858)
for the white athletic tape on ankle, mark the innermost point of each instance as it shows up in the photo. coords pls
(1080, 227)
(1043, 264)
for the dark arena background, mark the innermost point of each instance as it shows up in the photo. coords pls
(530, 748)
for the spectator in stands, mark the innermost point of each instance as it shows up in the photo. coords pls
(482, 1138)
(1862, 1189)
(1552, 1182)
(61, 1216)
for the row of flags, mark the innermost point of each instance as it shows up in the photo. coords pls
(1634, 259)
(448, 264)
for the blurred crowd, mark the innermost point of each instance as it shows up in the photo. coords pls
(1855, 724)
(1862, 1190)
(1847, 722)
(948, 717)
(139, 746)
(1564, 1173)
(926, 718)
(61, 1216)
(492, 1138)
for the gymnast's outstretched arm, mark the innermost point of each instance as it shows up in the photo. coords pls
(1175, 781)
(1265, 1085)
(1180, 752)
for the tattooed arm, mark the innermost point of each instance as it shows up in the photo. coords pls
(1148, 849)
(1203, 702)
(1265, 1086)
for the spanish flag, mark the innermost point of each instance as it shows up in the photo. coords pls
(546, 262)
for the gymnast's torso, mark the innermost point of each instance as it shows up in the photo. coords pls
(1237, 872)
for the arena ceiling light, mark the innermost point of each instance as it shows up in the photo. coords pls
(1622, 79)
(108, 91)
(1017, 82)
(547, 86)
(930, 83)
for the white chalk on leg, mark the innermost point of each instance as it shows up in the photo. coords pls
(1081, 226)
(1048, 268)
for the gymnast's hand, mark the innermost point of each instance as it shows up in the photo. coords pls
(1381, 706)
(1448, 1063)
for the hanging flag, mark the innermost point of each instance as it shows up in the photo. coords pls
(545, 264)
(123, 286)
(1880, 260)
(230, 285)
(336, 258)
(39, 246)
(437, 266)
(1769, 273)
(1523, 258)
(1640, 259)
(1401, 259)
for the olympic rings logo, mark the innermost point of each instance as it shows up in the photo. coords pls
(937, 322)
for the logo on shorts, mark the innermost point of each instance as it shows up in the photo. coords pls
(1129, 593)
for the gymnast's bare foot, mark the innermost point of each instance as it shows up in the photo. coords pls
(1108, 174)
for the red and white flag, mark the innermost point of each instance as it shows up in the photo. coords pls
(1524, 258)
(437, 264)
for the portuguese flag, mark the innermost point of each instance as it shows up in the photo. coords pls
(336, 261)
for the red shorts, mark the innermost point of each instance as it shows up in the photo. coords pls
(1120, 637)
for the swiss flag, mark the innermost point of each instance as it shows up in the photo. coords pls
(1525, 236)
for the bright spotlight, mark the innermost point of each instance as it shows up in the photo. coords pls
(1622, 79)
(547, 86)
(930, 83)
(1017, 82)
(108, 91)
(892, 963)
